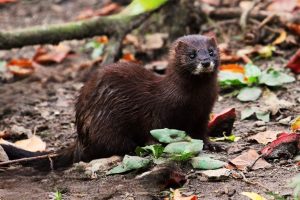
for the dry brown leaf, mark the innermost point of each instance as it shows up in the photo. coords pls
(247, 159)
(56, 55)
(264, 137)
(33, 144)
(154, 41)
(274, 104)
(106, 10)
(283, 5)
(294, 27)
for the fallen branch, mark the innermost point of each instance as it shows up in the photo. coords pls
(27, 159)
(113, 26)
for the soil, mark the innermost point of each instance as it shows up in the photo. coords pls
(43, 104)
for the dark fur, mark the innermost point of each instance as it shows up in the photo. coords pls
(122, 102)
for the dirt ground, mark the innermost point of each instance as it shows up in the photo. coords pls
(44, 104)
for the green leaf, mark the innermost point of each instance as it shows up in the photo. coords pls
(246, 113)
(194, 147)
(137, 7)
(249, 94)
(263, 115)
(272, 77)
(57, 195)
(206, 163)
(129, 163)
(168, 135)
(252, 73)
(182, 157)
(230, 79)
(156, 150)
(230, 138)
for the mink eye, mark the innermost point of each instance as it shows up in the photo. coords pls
(210, 52)
(192, 55)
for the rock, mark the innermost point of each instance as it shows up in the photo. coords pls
(285, 121)
(101, 165)
(260, 123)
(3, 155)
(19, 130)
(218, 174)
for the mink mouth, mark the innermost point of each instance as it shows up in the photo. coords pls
(200, 68)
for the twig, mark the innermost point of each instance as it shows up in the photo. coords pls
(246, 13)
(254, 162)
(253, 183)
(28, 159)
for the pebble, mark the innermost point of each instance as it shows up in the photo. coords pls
(285, 121)
(260, 123)
(262, 128)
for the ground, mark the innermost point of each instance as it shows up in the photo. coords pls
(44, 103)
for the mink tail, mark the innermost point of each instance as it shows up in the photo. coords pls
(65, 158)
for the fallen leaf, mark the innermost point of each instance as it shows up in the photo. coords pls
(129, 57)
(192, 147)
(233, 68)
(249, 93)
(129, 163)
(247, 159)
(154, 41)
(21, 67)
(229, 138)
(178, 196)
(272, 77)
(295, 125)
(7, 1)
(294, 62)
(168, 135)
(56, 55)
(266, 51)
(285, 146)
(33, 144)
(294, 27)
(222, 123)
(273, 104)
(261, 114)
(204, 162)
(253, 196)
(264, 137)
(106, 10)
(281, 38)
(102, 39)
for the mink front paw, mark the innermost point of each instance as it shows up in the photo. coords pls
(213, 147)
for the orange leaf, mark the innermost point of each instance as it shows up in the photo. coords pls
(129, 57)
(7, 1)
(56, 55)
(233, 68)
(281, 38)
(108, 9)
(178, 196)
(102, 39)
(294, 27)
(296, 124)
(20, 67)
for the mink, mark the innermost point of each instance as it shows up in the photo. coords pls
(122, 102)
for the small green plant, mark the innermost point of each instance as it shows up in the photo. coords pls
(57, 195)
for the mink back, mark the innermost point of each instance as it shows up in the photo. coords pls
(122, 102)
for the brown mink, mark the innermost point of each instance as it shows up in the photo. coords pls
(122, 102)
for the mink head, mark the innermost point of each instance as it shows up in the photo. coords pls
(195, 55)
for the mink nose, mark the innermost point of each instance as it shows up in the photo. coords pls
(205, 63)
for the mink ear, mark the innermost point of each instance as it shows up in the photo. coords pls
(181, 46)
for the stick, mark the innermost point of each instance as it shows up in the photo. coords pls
(28, 159)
